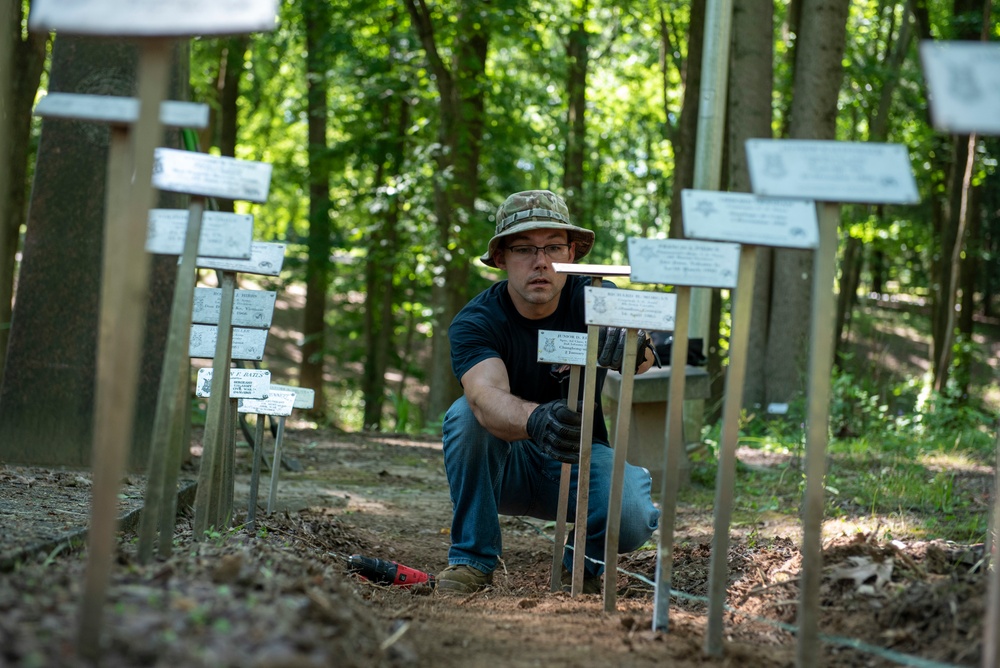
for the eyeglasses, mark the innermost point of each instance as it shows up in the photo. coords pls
(555, 252)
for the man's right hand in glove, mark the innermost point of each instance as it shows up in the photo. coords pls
(555, 429)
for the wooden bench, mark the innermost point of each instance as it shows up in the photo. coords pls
(648, 428)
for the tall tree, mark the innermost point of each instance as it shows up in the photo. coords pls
(749, 116)
(46, 394)
(316, 14)
(818, 77)
(26, 54)
(462, 96)
(578, 59)
(969, 21)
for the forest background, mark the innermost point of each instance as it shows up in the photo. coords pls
(395, 129)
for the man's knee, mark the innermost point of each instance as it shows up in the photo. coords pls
(639, 516)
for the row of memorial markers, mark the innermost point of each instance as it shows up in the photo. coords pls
(797, 186)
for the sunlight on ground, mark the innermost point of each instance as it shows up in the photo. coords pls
(954, 462)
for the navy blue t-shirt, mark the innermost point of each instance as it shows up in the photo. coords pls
(490, 326)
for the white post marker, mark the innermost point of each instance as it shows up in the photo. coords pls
(596, 272)
(829, 172)
(121, 332)
(213, 176)
(305, 399)
(633, 310)
(683, 264)
(751, 221)
(963, 79)
(223, 235)
(251, 308)
(563, 348)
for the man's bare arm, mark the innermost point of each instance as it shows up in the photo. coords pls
(487, 389)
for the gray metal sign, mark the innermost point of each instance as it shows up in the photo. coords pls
(832, 171)
(153, 18)
(709, 264)
(211, 175)
(251, 308)
(749, 219)
(562, 347)
(266, 259)
(963, 79)
(119, 110)
(635, 309)
(248, 344)
(223, 235)
(243, 383)
(305, 398)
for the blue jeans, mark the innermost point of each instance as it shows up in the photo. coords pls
(489, 476)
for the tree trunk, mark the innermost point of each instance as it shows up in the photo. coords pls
(818, 76)
(684, 140)
(462, 97)
(383, 254)
(969, 24)
(229, 93)
(26, 61)
(46, 394)
(317, 21)
(577, 55)
(750, 87)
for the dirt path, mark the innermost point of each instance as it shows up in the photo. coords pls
(283, 597)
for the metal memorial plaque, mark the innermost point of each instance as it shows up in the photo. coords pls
(964, 83)
(119, 110)
(278, 403)
(223, 235)
(562, 347)
(652, 311)
(832, 171)
(305, 398)
(266, 258)
(708, 264)
(243, 383)
(251, 308)
(210, 175)
(248, 344)
(153, 19)
(748, 219)
(591, 269)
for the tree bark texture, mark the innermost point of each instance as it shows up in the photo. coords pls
(317, 19)
(26, 59)
(684, 140)
(751, 83)
(46, 394)
(577, 56)
(818, 76)
(461, 88)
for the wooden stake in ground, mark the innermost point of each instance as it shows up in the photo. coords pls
(632, 310)
(563, 349)
(683, 264)
(124, 295)
(827, 171)
(211, 234)
(596, 272)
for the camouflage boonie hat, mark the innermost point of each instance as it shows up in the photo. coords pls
(536, 210)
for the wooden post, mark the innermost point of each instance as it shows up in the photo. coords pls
(276, 465)
(555, 583)
(622, 425)
(258, 453)
(208, 509)
(726, 476)
(817, 424)
(123, 311)
(674, 452)
(161, 479)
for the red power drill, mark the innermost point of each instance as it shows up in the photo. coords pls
(387, 572)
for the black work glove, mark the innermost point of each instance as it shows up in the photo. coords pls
(555, 429)
(611, 348)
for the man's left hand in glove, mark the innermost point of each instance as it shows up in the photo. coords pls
(611, 350)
